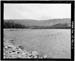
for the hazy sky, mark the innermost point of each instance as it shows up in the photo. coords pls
(37, 11)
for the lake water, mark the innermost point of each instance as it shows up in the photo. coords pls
(56, 43)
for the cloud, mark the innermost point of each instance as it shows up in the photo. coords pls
(37, 11)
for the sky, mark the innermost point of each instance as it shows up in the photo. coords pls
(37, 11)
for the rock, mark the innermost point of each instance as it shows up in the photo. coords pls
(45, 56)
(34, 53)
(35, 56)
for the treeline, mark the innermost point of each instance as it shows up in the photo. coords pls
(12, 25)
(8, 24)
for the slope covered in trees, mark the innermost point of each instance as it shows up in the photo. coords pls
(32, 24)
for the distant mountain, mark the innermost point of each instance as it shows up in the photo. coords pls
(53, 23)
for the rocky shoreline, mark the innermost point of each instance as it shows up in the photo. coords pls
(11, 51)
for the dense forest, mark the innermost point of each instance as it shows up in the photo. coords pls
(12, 25)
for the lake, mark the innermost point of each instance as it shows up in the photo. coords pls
(56, 43)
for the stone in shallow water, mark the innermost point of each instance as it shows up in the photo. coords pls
(34, 53)
(19, 52)
(21, 47)
(45, 56)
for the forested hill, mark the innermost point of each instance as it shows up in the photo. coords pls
(35, 24)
